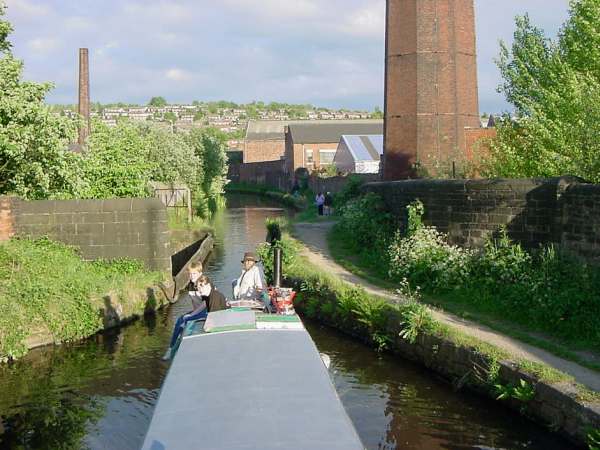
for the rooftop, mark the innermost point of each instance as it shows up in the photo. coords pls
(317, 132)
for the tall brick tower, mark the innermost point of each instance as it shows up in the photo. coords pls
(430, 84)
(84, 95)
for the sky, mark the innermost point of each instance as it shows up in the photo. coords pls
(325, 52)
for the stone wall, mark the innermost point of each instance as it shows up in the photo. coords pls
(579, 219)
(102, 229)
(534, 211)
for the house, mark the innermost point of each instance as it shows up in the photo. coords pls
(359, 153)
(313, 144)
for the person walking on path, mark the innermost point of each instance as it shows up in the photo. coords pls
(328, 204)
(320, 201)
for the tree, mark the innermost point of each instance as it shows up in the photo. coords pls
(158, 102)
(34, 160)
(170, 116)
(377, 113)
(210, 146)
(117, 162)
(555, 89)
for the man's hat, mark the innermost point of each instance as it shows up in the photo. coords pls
(248, 256)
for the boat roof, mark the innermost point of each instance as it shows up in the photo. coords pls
(250, 388)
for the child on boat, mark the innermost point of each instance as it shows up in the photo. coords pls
(199, 296)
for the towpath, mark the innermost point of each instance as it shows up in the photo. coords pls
(316, 250)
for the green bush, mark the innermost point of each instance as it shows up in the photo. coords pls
(367, 226)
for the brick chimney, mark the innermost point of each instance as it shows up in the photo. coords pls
(430, 84)
(84, 95)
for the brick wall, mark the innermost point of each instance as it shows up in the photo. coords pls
(534, 211)
(336, 184)
(259, 151)
(270, 173)
(7, 226)
(107, 229)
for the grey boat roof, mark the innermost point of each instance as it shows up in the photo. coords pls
(252, 389)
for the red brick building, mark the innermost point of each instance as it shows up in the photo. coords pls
(265, 141)
(430, 85)
(313, 144)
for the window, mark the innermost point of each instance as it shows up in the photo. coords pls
(308, 157)
(326, 157)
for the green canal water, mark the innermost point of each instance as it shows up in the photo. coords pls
(100, 393)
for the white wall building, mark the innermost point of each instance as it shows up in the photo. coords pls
(359, 154)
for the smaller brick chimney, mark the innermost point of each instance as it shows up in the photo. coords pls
(84, 95)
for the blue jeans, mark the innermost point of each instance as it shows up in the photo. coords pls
(182, 322)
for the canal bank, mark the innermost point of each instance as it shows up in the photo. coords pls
(465, 353)
(91, 296)
(100, 392)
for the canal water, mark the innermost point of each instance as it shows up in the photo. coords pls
(100, 393)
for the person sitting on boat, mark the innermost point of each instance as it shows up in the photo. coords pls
(251, 283)
(199, 311)
(191, 289)
(215, 300)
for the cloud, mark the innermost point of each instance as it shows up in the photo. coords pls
(178, 75)
(43, 45)
(276, 10)
(27, 9)
(368, 21)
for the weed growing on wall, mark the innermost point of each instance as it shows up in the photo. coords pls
(46, 287)
(545, 290)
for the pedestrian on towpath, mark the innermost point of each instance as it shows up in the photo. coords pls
(320, 201)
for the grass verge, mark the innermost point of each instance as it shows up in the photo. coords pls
(386, 325)
(297, 202)
(45, 287)
(344, 256)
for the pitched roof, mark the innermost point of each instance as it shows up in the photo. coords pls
(309, 132)
(266, 130)
(364, 147)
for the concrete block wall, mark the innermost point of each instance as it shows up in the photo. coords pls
(534, 211)
(101, 229)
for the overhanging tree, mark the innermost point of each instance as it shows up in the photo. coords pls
(554, 86)
(35, 162)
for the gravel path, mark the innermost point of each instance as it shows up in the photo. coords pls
(314, 236)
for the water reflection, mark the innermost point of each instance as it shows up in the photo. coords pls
(100, 393)
(397, 405)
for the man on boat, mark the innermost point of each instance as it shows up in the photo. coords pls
(251, 283)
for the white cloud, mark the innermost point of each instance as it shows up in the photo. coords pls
(25, 8)
(368, 21)
(180, 75)
(79, 24)
(43, 45)
(278, 10)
